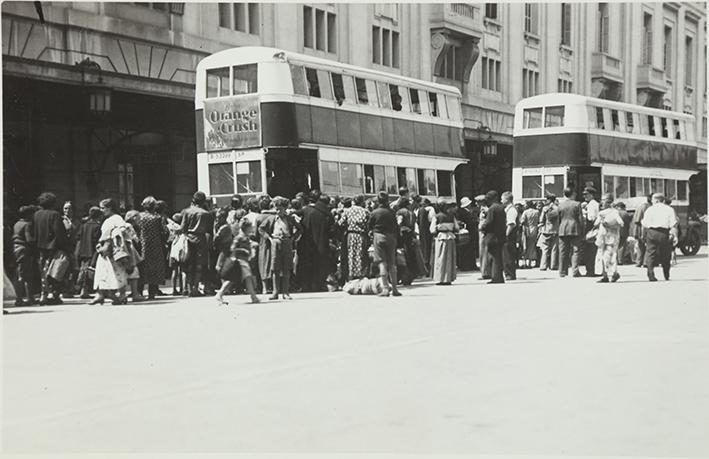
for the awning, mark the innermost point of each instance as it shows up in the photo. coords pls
(637, 171)
(383, 158)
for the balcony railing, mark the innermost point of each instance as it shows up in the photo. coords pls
(463, 9)
(463, 18)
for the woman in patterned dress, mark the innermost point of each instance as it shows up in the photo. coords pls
(153, 234)
(354, 220)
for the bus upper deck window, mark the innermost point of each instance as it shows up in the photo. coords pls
(395, 97)
(443, 110)
(675, 124)
(384, 95)
(663, 124)
(311, 76)
(361, 91)
(434, 103)
(615, 120)
(554, 116)
(338, 87)
(218, 82)
(423, 99)
(405, 100)
(245, 79)
(629, 122)
(415, 104)
(453, 108)
(300, 85)
(372, 93)
(644, 127)
(532, 118)
(599, 118)
(350, 91)
(651, 124)
(324, 82)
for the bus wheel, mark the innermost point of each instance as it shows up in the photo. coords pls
(691, 244)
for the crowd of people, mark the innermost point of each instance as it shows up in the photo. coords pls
(314, 242)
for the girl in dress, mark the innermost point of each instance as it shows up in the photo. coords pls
(444, 228)
(236, 268)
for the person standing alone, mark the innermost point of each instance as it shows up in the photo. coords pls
(509, 254)
(571, 226)
(494, 227)
(660, 222)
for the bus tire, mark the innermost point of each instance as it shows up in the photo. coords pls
(691, 244)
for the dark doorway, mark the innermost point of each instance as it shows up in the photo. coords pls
(290, 171)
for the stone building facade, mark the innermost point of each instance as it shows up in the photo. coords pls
(98, 96)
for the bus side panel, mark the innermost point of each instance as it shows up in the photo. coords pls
(348, 130)
(388, 134)
(441, 140)
(404, 135)
(454, 139)
(371, 131)
(304, 123)
(423, 135)
(278, 124)
(551, 150)
(199, 129)
(614, 150)
(324, 125)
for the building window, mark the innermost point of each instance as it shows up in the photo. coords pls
(530, 17)
(667, 53)
(491, 10)
(565, 85)
(243, 17)
(319, 29)
(603, 27)
(385, 47)
(530, 83)
(491, 74)
(566, 24)
(647, 39)
(453, 63)
(688, 58)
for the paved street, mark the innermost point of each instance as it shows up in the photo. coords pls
(541, 366)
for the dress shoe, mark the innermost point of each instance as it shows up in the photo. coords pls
(398, 293)
(652, 278)
(615, 277)
(603, 280)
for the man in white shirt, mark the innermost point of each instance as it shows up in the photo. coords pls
(660, 221)
(509, 249)
(590, 213)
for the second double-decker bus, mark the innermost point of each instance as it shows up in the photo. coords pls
(271, 121)
(627, 150)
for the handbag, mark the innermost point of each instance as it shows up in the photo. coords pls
(59, 266)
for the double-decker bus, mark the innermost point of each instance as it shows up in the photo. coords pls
(271, 121)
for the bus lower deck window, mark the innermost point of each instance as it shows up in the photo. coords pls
(248, 177)
(427, 182)
(221, 178)
(330, 175)
(531, 186)
(374, 179)
(445, 184)
(633, 187)
(621, 188)
(351, 177)
(391, 177)
(670, 189)
(682, 190)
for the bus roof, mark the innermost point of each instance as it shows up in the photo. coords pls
(256, 54)
(545, 100)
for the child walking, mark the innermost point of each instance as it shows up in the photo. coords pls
(237, 268)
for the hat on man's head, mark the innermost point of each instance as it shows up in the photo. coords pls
(465, 202)
(480, 197)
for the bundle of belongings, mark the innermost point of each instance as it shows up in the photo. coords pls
(364, 286)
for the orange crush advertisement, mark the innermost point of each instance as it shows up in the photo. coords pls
(232, 123)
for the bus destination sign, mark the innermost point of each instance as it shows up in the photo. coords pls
(233, 122)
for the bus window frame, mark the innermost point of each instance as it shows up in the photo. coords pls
(561, 117)
(323, 163)
(359, 171)
(456, 114)
(607, 119)
(233, 178)
(424, 101)
(324, 77)
(309, 85)
(372, 94)
(415, 106)
(384, 95)
(615, 122)
(405, 99)
(664, 130)
(432, 97)
(352, 97)
(233, 73)
(527, 117)
(442, 107)
(676, 126)
(219, 82)
(297, 68)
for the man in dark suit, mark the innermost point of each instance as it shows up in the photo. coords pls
(495, 227)
(314, 250)
(571, 226)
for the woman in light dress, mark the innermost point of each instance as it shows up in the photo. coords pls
(608, 223)
(444, 228)
(111, 276)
